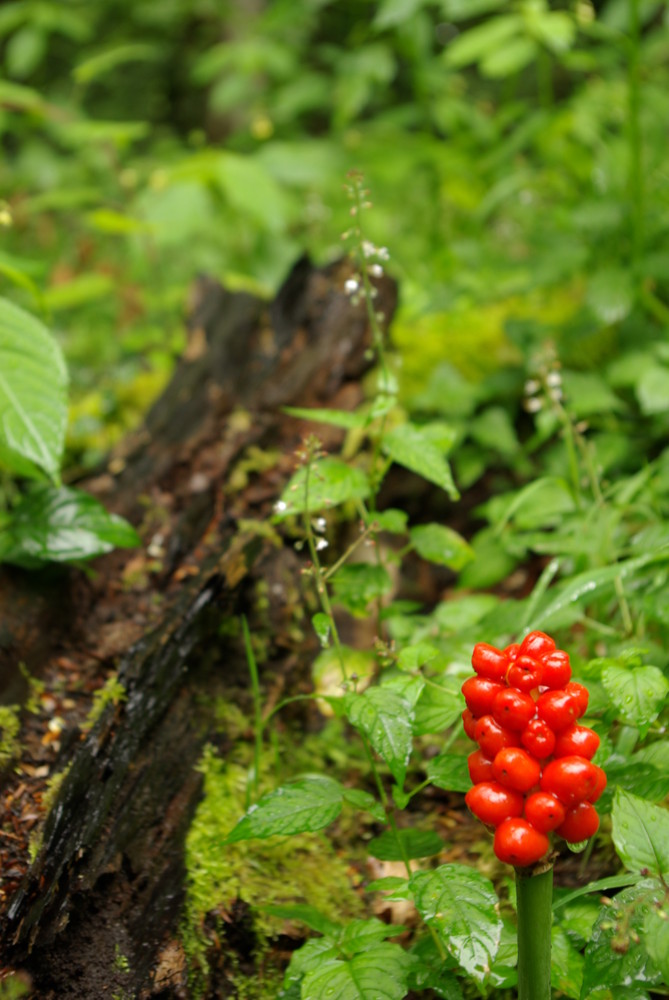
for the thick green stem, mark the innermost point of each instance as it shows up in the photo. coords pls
(535, 896)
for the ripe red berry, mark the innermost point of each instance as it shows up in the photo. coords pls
(491, 737)
(538, 738)
(600, 784)
(480, 693)
(491, 802)
(488, 661)
(580, 695)
(514, 768)
(557, 708)
(511, 652)
(579, 824)
(518, 843)
(571, 779)
(480, 767)
(513, 708)
(544, 811)
(556, 671)
(469, 723)
(577, 740)
(524, 673)
(536, 644)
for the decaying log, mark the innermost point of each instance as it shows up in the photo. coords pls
(107, 877)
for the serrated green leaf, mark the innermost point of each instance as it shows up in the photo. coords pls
(628, 964)
(449, 771)
(422, 450)
(327, 483)
(33, 392)
(359, 935)
(438, 707)
(441, 545)
(397, 845)
(637, 692)
(302, 806)
(381, 973)
(461, 905)
(641, 833)
(311, 956)
(60, 524)
(356, 585)
(656, 939)
(385, 718)
(414, 656)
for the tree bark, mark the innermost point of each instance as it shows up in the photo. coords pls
(108, 873)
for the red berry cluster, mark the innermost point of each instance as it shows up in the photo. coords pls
(533, 772)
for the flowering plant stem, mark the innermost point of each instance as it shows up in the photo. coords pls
(534, 890)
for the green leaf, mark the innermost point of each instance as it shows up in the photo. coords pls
(612, 959)
(105, 62)
(656, 939)
(322, 627)
(438, 707)
(442, 545)
(398, 845)
(391, 520)
(394, 12)
(389, 882)
(510, 58)
(381, 973)
(600, 886)
(566, 964)
(638, 693)
(306, 914)
(481, 41)
(359, 935)
(302, 806)
(327, 483)
(356, 585)
(385, 718)
(422, 450)
(360, 799)
(610, 295)
(33, 392)
(652, 390)
(641, 834)
(449, 771)
(60, 524)
(461, 905)
(336, 418)
(413, 657)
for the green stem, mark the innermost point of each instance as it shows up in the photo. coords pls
(535, 897)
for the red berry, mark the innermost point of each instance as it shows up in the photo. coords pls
(480, 767)
(511, 652)
(544, 811)
(577, 740)
(536, 644)
(538, 738)
(480, 693)
(491, 737)
(557, 708)
(469, 723)
(571, 779)
(488, 661)
(518, 843)
(600, 784)
(580, 695)
(579, 824)
(514, 768)
(491, 802)
(513, 708)
(556, 671)
(525, 673)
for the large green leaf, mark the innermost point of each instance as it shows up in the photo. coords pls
(60, 524)
(301, 806)
(641, 834)
(449, 771)
(439, 706)
(385, 717)
(380, 973)
(637, 692)
(566, 964)
(398, 845)
(33, 393)
(326, 483)
(462, 906)
(442, 545)
(422, 450)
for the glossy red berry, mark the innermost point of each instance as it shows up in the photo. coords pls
(536, 644)
(492, 803)
(480, 693)
(512, 708)
(518, 843)
(511, 652)
(580, 823)
(600, 784)
(469, 723)
(524, 673)
(557, 709)
(491, 737)
(515, 768)
(488, 661)
(480, 767)
(538, 738)
(577, 740)
(556, 671)
(544, 811)
(571, 779)
(580, 695)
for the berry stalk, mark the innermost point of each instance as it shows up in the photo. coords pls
(534, 891)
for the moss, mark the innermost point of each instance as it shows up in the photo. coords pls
(111, 692)
(230, 885)
(10, 725)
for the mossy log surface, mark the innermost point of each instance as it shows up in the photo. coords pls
(96, 911)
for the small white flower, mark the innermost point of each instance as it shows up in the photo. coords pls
(351, 286)
(321, 544)
(280, 506)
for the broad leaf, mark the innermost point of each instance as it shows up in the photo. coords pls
(359, 935)
(381, 973)
(422, 450)
(566, 964)
(385, 718)
(60, 524)
(449, 771)
(326, 483)
(305, 914)
(441, 545)
(438, 706)
(301, 806)
(656, 939)
(322, 627)
(356, 585)
(641, 834)
(401, 844)
(461, 905)
(33, 393)
(413, 657)
(358, 798)
(336, 418)
(637, 692)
